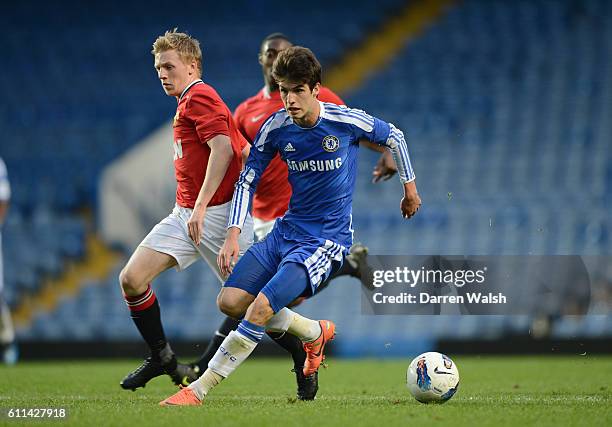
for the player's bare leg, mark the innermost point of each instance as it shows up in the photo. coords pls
(236, 348)
(307, 386)
(135, 279)
(285, 329)
(234, 302)
(314, 334)
(260, 315)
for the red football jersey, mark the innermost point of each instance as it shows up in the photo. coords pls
(271, 198)
(201, 115)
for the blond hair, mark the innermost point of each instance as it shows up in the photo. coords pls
(186, 46)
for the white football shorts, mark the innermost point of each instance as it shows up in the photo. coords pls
(262, 228)
(171, 236)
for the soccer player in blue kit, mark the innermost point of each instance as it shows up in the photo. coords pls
(319, 142)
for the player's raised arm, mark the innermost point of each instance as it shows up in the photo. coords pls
(261, 154)
(386, 134)
(385, 166)
(399, 149)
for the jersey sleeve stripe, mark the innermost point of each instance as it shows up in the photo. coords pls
(345, 118)
(260, 139)
(403, 156)
(240, 202)
(335, 110)
(362, 119)
(405, 159)
(346, 110)
(399, 149)
(275, 121)
(236, 214)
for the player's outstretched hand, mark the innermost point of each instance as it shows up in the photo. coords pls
(228, 255)
(410, 206)
(411, 202)
(385, 167)
(196, 223)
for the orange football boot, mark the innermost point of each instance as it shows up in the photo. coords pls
(314, 349)
(184, 397)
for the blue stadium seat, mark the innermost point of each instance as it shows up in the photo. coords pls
(506, 107)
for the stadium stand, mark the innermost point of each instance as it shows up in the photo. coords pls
(507, 109)
(86, 92)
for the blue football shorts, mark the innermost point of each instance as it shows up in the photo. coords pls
(285, 266)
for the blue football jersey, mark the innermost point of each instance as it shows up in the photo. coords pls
(322, 163)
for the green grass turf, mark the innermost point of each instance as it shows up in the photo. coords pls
(496, 391)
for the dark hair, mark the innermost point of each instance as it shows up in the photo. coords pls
(297, 64)
(274, 36)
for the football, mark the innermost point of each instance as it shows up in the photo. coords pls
(432, 378)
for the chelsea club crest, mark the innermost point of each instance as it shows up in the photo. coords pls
(331, 143)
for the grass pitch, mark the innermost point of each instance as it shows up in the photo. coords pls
(495, 391)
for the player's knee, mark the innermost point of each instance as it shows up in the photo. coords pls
(230, 310)
(129, 282)
(230, 305)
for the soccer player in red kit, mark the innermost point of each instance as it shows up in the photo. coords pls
(207, 160)
(271, 201)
